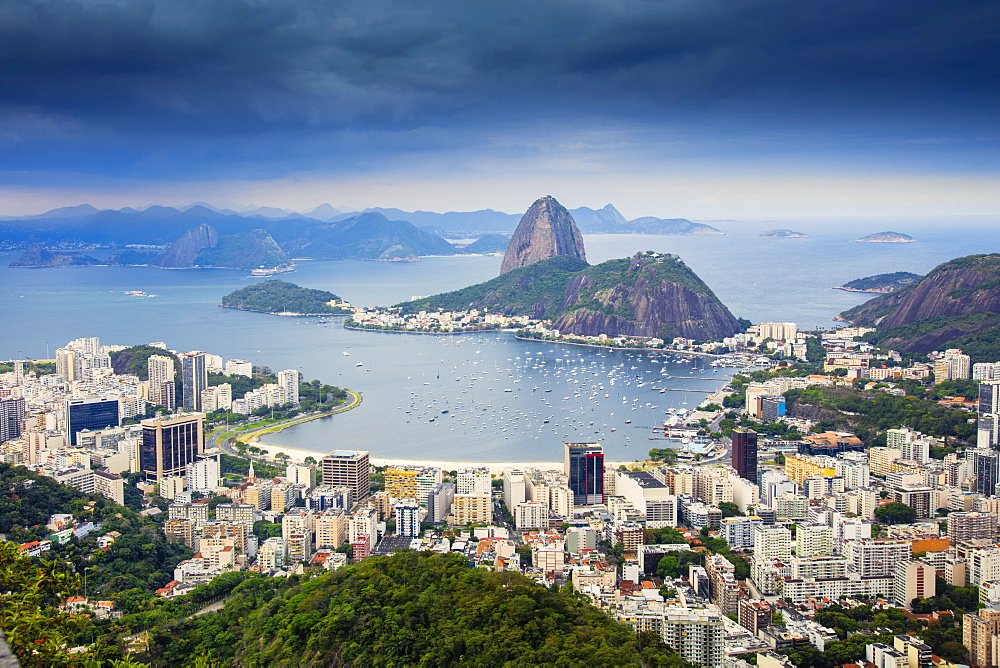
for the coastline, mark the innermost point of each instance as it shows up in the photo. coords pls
(599, 345)
(287, 315)
(495, 468)
(415, 331)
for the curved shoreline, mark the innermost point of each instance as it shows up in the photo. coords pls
(598, 345)
(286, 315)
(416, 331)
(254, 436)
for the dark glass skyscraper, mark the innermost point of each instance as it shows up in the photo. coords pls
(90, 414)
(585, 470)
(170, 443)
(745, 454)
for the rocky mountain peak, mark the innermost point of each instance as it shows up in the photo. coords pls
(546, 230)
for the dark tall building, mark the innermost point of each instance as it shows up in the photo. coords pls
(11, 417)
(585, 470)
(90, 414)
(169, 444)
(194, 379)
(989, 396)
(745, 454)
(984, 468)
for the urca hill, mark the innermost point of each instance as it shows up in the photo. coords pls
(545, 275)
(957, 305)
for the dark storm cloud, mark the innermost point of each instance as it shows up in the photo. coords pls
(277, 71)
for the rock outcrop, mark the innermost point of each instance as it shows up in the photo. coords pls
(182, 253)
(202, 246)
(546, 230)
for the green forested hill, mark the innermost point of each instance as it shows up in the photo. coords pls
(408, 609)
(135, 360)
(276, 296)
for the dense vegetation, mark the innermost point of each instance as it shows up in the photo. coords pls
(870, 413)
(135, 360)
(543, 289)
(535, 289)
(276, 296)
(860, 625)
(408, 609)
(959, 300)
(130, 570)
(895, 280)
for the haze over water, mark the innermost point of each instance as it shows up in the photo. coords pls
(757, 278)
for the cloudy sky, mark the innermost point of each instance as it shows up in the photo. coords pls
(695, 108)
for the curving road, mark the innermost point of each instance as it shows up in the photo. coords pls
(223, 438)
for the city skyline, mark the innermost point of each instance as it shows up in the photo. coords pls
(670, 109)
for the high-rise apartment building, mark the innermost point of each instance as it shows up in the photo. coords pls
(349, 468)
(697, 634)
(161, 380)
(972, 526)
(745, 454)
(288, 381)
(584, 466)
(473, 481)
(90, 414)
(408, 519)
(169, 444)
(11, 418)
(194, 379)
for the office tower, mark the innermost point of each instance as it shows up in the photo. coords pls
(584, 466)
(288, 381)
(745, 454)
(169, 444)
(349, 468)
(90, 414)
(161, 372)
(194, 377)
(11, 418)
(984, 470)
(989, 397)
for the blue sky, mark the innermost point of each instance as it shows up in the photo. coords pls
(694, 108)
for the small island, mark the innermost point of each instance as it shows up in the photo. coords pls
(881, 283)
(888, 238)
(784, 233)
(282, 298)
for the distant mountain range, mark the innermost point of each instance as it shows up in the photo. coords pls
(201, 235)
